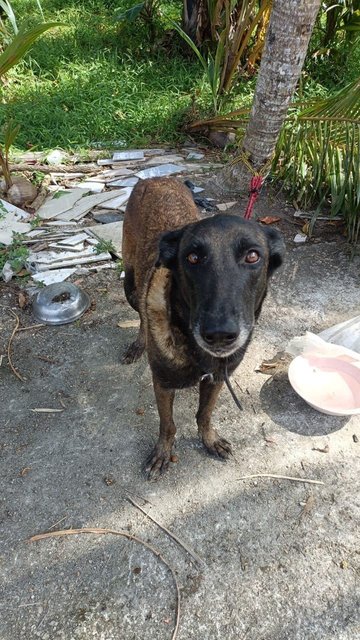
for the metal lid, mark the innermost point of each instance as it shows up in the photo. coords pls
(60, 303)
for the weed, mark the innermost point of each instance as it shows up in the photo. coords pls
(105, 245)
(16, 253)
(36, 222)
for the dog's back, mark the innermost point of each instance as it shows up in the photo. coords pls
(155, 205)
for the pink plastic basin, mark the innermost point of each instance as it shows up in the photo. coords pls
(330, 385)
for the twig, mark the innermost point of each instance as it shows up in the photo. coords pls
(58, 522)
(72, 532)
(272, 475)
(16, 373)
(172, 535)
(32, 326)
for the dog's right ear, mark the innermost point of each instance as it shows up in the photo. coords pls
(168, 248)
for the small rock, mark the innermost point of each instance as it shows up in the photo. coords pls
(355, 438)
(221, 138)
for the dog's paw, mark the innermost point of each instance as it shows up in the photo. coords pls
(158, 462)
(133, 352)
(217, 446)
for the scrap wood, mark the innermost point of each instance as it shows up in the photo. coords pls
(39, 200)
(16, 373)
(170, 533)
(124, 534)
(48, 168)
(278, 477)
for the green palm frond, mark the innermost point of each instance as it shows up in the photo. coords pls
(21, 43)
(318, 156)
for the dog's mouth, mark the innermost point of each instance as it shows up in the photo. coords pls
(221, 350)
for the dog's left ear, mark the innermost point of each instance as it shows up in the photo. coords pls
(276, 246)
(168, 248)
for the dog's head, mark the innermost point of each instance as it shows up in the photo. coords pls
(221, 266)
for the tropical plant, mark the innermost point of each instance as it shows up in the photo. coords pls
(342, 15)
(318, 157)
(236, 31)
(286, 43)
(148, 11)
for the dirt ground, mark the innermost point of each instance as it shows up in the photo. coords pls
(280, 559)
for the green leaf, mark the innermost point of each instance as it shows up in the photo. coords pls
(6, 6)
(21, 43)
(10, 133)
(131, 14)
(191, 44)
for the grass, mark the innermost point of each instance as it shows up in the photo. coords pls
(101, 81)
(95, 81)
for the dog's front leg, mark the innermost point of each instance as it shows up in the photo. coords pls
(159, 459)
(209, 393)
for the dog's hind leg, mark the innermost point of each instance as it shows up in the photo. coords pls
(135, 350)
(209, 393)
(158, 461)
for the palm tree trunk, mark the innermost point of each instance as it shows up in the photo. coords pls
(287, 39)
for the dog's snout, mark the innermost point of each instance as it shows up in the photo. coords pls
(218, 337)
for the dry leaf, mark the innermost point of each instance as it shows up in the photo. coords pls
(23, 300)
(269, 366)
(24, 471)
(269, 219)
(323, 449)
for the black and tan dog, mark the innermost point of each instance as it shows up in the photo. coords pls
(198, 285)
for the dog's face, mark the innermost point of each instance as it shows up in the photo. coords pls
(221, 265)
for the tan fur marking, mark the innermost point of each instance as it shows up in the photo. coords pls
(156, 313)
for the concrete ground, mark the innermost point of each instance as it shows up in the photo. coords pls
(280, 559)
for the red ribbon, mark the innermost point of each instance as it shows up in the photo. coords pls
(255, 188)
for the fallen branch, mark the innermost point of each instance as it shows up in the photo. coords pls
(277, 477)
(172, 535)
(61, 168)
(15, 372)
(73, 532)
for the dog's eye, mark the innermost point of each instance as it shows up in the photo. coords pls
(252, 257)
(193, 258)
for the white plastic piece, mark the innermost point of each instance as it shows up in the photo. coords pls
(300, 238)
(345, 333)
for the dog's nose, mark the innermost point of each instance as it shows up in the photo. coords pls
(217, 338)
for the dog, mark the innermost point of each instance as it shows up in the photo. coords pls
(198, 285)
